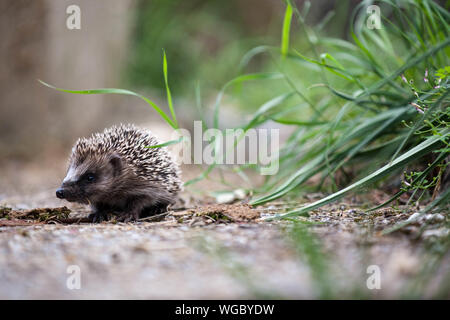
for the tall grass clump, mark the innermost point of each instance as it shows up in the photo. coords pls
(366, 107)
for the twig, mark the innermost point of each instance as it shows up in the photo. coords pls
(156, 217)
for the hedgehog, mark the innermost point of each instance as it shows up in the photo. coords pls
(117, 174)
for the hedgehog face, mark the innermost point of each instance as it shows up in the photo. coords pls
(90, 179)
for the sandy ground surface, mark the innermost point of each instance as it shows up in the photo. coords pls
(208, 252)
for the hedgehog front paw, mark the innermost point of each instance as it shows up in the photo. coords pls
(127, 217)
(97, 217)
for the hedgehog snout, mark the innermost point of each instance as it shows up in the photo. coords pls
(70, 192)
(60, 193)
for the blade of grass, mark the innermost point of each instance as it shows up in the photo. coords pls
(165, 144)
(422, 175)
(443, 198)
(169, 95)
(116, 91)
(286, 29)
(413, 154)
(237, 80)
(416, 126)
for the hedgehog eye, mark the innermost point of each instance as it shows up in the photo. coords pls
(90, 177)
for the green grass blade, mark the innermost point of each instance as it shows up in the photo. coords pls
(413, 154)
(165, 144)
(420, 122)
(286, 29)
(418, 178)
(252, 53)
(442, 199)
(116, 91)
(169, 95)
(411, 62)
(237, 80)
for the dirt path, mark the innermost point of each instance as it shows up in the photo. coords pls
(222, 252)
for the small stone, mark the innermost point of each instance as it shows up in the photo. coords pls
(437, 217)
(438, 233)
(414, 216)
(225, 198)
(240, 194)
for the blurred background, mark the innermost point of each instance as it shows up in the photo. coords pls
(120, 45)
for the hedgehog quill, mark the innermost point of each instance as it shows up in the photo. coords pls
(117, 174)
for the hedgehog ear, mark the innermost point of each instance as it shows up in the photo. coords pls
(116, 162)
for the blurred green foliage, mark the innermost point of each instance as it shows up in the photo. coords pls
(203, 40)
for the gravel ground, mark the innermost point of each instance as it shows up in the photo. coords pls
(202, 254)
